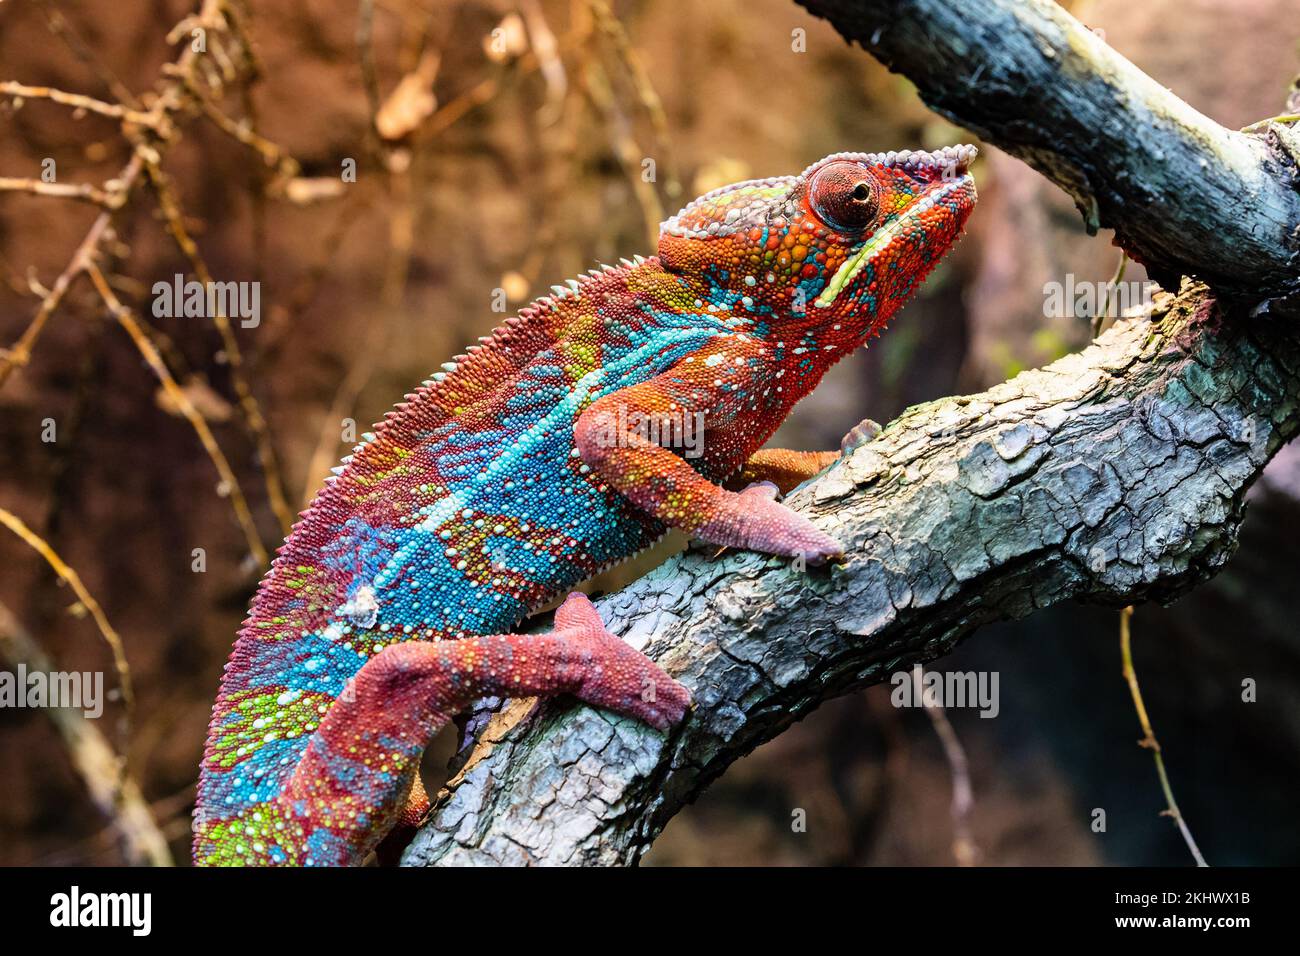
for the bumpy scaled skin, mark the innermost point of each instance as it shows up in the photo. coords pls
(569, 440)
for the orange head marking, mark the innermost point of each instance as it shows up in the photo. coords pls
(843, 244)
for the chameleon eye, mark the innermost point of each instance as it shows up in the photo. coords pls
(844, 196)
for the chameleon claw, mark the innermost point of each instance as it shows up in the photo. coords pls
(860, 434)
(761, 489)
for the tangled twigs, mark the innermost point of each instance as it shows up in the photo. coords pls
(248, 404)
(157, 118)
(151, 133)
(182, 402)
(21, 352)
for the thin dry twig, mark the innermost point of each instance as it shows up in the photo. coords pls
(252, 412)
(186, 407)
(964, 848)
(273, 155)
(1149, 736)
(60, 27)
(612, 28)
(629, 152)
(153, 120)
(68, 574)
(84, 192)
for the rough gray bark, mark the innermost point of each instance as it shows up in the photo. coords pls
(1115, 475)
(1178, 188)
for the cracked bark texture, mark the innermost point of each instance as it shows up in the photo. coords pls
(1115, 475)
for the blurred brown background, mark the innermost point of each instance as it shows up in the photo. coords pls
(514, 143)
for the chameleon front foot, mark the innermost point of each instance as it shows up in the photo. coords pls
(861, 433)
(754, 520)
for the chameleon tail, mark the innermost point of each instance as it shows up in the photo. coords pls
(355, 777)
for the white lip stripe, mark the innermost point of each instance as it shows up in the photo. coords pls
(880, 241)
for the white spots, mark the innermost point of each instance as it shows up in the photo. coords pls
(750, 280)
(714, 359)
(362, 610)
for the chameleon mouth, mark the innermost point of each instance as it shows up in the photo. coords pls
(951, 162)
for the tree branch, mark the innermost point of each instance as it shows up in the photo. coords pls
(1115, 475)
(1183, 194)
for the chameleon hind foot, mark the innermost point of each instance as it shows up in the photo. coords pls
(357, 778)
(614, 675)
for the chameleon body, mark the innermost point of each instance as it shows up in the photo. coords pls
(535, 460)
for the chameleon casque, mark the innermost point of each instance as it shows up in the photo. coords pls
(502, 482)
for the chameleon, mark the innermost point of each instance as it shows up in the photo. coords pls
(550, 451)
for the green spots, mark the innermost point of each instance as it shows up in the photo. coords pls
(257, 836)
(256, 718)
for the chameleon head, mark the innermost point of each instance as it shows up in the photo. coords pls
(840, 246)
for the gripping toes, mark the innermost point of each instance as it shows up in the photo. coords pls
(616, 676)
(861, 433)
(753, 519)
